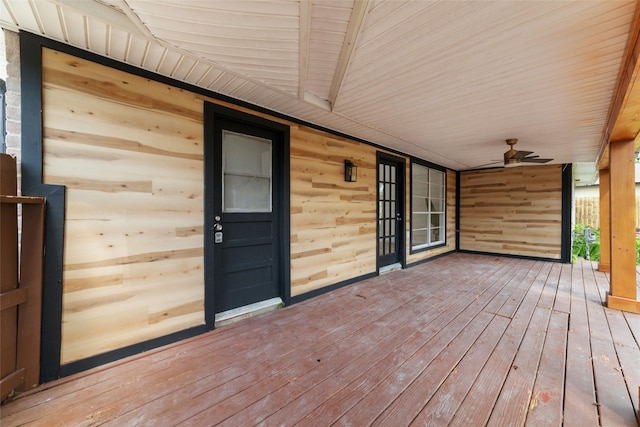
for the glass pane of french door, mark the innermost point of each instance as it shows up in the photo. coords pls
(387, 194)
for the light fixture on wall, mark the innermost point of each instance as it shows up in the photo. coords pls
(350, 171)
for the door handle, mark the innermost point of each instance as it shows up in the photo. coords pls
(217, 226)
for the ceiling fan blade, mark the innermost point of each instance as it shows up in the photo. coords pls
(521, 154)
(535, 159)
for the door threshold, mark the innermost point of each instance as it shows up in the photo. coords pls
(389, 268)
(244, 312)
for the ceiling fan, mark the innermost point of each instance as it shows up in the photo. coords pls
(513, 157)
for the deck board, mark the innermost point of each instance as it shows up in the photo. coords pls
(625, 345)
(545, 407)
(580, 407)
(440, 407)
(475, 408)
(462, 340)
(425, 322)
(615, 406)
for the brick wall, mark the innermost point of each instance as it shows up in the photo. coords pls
(12, 55)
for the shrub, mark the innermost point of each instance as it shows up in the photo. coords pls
(579, 246)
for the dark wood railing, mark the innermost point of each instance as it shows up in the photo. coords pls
(20, 294)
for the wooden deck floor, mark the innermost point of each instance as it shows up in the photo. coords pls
(465, 340)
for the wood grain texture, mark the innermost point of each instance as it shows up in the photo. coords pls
(622, 203)
(130, 152)
(605, 220)
(333, 233)
(9, 259)
(515, 211)
(331, 360)
(333, 223)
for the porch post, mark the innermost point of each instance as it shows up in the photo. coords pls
(622, 294)
(605, 215)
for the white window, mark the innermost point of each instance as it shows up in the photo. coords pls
(427, 207)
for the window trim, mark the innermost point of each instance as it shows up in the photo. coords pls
(443, 242)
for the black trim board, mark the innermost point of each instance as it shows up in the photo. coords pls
(120, 353)
(31, 128)
(458, 175)
(335, 286)
(532, 258)
(428, 164)
(431, 258)
(327, 289)
(567, 205)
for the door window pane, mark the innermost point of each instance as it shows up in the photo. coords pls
(246, 173)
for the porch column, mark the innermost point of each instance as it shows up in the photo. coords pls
(622, 294)
(605, 215)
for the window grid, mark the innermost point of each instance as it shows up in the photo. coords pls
(387, 209)
(428, 205)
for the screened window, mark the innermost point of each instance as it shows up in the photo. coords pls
(427, 207)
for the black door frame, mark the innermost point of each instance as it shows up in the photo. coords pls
(401, 202)
(212, 113)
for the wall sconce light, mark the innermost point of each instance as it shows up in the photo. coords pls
(350, 171)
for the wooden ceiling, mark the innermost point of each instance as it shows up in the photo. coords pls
(444, 81)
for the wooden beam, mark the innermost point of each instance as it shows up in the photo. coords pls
(303, 48)
(623, 304)
(623, 121)
(605, 213)
(353, 30)
(8, 274)
(10, 382)
(22, 199)
(31, 279)
(12, 298)
(623, 254)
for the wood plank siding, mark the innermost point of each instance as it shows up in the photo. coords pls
(130, 152)
(333, 228)
(516, 211)
(503, 342)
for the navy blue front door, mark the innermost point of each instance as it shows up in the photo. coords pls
(245, 218)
